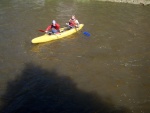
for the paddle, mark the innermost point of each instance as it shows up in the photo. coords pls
(45, 32)
(41, 30)
(86, 33)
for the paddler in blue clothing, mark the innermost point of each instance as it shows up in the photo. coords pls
(53, 28)
(73, 22)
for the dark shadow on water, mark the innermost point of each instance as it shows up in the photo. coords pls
(37, 90)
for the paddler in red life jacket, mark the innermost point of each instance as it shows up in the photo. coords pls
(73, 22)
(54, 28)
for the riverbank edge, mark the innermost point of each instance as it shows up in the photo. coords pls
(142, 2)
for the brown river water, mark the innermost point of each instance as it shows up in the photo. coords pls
(108, 72)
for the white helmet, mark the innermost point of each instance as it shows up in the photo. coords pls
(53, 22)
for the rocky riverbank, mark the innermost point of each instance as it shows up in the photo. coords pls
(142, 2)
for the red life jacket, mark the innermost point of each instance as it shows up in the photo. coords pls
(57, 27)
(72, 22)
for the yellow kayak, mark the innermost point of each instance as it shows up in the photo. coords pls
(47, 38)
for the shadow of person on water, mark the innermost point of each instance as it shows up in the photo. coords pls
(40, 91)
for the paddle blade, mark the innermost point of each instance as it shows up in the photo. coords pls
(86, 34)
(41, 30)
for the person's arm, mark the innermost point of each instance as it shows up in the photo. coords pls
(48, 28)
(77, 23)
(69, 22)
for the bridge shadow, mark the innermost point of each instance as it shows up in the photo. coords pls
(37, 90)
